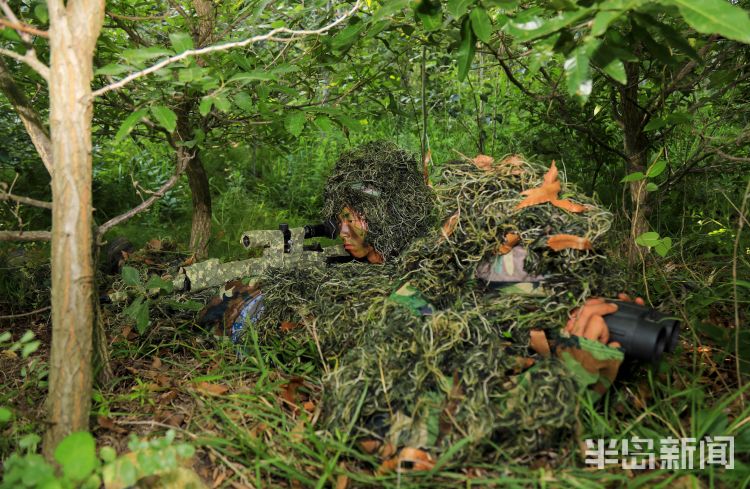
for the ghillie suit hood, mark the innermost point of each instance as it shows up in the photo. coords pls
(384, 184)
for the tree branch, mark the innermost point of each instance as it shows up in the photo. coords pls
(25, 236)
(24, 28)
(29, 116)
(25, 200)
(143, 205)
(271, 35)
(30, 59)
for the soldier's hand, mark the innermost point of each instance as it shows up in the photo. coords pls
(588, 321)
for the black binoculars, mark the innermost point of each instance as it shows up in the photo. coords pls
(645, 334)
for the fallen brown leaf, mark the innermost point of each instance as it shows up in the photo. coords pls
(156, 363)
(483, 162)
(569, 205)
(562, 241)
(369, 446)
(450, 224)
(110, 425)
(168, 397)
(287, 326)
(211, 389)
(408, 459)
(548, 191)
(509, 241)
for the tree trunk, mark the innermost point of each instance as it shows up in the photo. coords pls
(199, 189)
(73, 31)
(197, 180)
(636, 148)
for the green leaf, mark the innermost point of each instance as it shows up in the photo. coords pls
(295, 122)
(144, 54)
(651, 187)
(535, 27)
(29, 348)
(131, 276)
(741, 283)
(655, 123)
(324, 124)
(578, 74)
(466, 50)
(76, 454)
(347, 35)
(186, 306)
(648, 239)
(5, 337)
(41, 13)
(633, 177)
(129, 123)
(205, 106)
(141, 318)
(716, 17)
(663, 246)
(243, 101)
(27, 336)
(656, 169)
(5, 415)
(616, 69)
(10, 35)
(481, 24)
(389, 8)
(222, 103)
(249, 76)
(432, 22)
(156, 282)
(134, 307)
(107, 454)
(457, 8)
(181, 41)
(165, 117)
(112, 69)
(603, 20)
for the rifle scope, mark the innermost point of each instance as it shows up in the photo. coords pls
(645, 334)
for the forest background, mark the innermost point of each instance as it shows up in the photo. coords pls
(643, 104)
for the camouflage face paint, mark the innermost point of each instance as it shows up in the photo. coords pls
(352, 230)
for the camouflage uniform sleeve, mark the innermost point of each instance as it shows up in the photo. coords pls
(592, 364)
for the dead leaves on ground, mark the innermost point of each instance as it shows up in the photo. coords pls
(408, 459)
(450, 225)
(211, 389)
(549, 191)
(512, 164)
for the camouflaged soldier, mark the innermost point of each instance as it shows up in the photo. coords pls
(433, 347)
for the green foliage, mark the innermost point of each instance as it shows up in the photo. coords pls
(82, 469)
(138, 310)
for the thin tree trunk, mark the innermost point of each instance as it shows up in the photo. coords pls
(29, 116)
(636, 147)
(199, 189)
(73, 31)
(198, 182)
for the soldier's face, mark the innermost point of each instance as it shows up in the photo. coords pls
(352, 230)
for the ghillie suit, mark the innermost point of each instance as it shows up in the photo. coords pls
(383, 184)
(429, 355)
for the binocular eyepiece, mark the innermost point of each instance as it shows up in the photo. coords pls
(645, 334)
